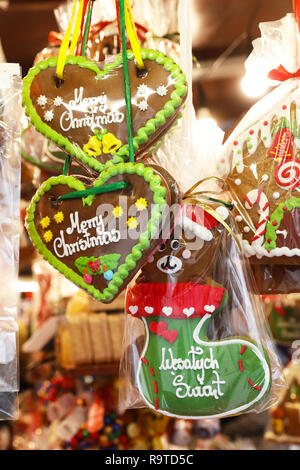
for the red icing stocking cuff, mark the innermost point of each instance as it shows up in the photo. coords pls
(181, 300)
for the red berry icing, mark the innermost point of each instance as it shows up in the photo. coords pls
(266, 123)
(284, 106)
(275, 223)
(235, 142)
(284, 208)
(251, 132)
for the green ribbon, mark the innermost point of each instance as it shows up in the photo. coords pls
(87, 27)
(95, 190)
(121, 184)
(67, 165)
(126, 79)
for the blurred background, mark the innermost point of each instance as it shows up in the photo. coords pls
(222, 34)
(70, 345)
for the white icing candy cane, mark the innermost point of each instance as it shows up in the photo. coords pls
(257, 196)
(288, 174)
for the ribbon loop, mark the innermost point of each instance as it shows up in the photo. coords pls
(281, 74)
(189, 198)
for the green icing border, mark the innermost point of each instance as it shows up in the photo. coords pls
(124, 269)
(278, 214)
(143, 133)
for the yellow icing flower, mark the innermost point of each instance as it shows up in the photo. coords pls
(45, 222)
(141, 204)
(59, 217)
(48, 236)
(117, 212)
(132, 223)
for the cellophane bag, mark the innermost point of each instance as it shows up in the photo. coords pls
(196, 342)
(264, 161)
(10, 170)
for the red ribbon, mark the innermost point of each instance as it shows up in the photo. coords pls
(281, 74)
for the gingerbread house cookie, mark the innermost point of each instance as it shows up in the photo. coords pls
(265, 183)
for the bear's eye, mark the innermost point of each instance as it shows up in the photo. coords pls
(162, 247)
(174, 244)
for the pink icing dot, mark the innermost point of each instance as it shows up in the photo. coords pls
(88, 278)
(150, 259)
(186, 254)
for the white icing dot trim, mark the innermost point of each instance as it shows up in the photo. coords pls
(143, 105)
(161, 90)
(198, 230)
(142, 90)
(58, 101)
(42, 100)
(49, 115)
(223, 212)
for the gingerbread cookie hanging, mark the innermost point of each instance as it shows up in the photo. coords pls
(182, 372)
(85, 113)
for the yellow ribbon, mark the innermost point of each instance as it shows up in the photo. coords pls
(132, 34)
(63, 51)
(77, 28)
(189, 197)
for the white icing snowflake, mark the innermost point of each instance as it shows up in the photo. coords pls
(42, 100)
(58, 101)
(143, 105)
(48, 116)
(161, 90)
(142, 89)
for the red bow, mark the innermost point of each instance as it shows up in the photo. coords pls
(281, 74)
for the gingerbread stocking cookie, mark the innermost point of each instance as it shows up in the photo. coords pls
(182, 372)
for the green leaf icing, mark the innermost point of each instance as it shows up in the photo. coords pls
(277, 216)
(110, 261)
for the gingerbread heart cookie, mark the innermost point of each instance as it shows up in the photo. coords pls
(101, 240)
(85, 114)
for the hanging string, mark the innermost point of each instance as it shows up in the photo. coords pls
(120, 184)
(118, 21)
(67, 166)
(79, 44)
(199, 197)
(76, 28)
(126, 79)
(132, 34)
(87, 28)
(63, 51)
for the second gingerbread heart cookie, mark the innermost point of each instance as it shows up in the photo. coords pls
(85, 113)
(99, 241)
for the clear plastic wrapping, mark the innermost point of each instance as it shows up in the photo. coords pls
(10, 116)
(196, 343)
